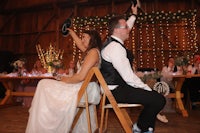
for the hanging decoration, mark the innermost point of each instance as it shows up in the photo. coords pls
(158, 27)
(51, 59)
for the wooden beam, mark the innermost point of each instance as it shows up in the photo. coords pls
(62, 4)
(43, 28)
(10, 17)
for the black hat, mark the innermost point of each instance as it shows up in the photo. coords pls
(134, 2)
(66, 24)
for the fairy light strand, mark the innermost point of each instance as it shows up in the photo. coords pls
(169, 24)
(148, 45)
(154, 45)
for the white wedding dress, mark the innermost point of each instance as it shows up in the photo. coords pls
(54, 107)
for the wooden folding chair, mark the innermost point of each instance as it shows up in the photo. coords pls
(107, 93)
(85, 105)
(81, 107)
(119, 108)
(105, 111)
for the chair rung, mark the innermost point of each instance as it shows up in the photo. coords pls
(83, 105)
(123, 105)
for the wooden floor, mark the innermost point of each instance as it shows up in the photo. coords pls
(13, 119)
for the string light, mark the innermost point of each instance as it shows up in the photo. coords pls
(183, 36)
(169, 39)
(188, 42)
(195, 33)
(133, 43)
(176, 38)
(141, 47)
(74, 45)
(171, 24)
(162, 42)
(154, 45)
(148, 45)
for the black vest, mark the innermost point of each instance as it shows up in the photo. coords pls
(196, 71)
(109, 73)
(175, 68)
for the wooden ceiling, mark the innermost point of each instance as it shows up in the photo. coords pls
(7, 6)
(10, 6)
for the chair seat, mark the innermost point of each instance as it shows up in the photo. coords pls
(83, 105)
(123, 105)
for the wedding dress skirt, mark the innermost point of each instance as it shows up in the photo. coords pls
(54, 107)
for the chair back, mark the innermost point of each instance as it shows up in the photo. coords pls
(96, 72)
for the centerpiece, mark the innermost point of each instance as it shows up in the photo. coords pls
(51, 59)
(182, 61)
(19, 66)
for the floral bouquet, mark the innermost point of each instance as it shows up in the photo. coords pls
(154, 76)
(151, 78)
(51, 59)
(181, 61)
(56, 64)
(18, 64)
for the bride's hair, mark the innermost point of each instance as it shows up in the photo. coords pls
(95, 39)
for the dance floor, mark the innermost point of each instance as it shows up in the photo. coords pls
(14, 119)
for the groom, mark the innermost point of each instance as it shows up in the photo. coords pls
(125, 86)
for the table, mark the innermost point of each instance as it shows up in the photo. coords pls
(179, 80)
(9, 81)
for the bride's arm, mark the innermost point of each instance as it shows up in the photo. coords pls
(77, 40)
(90, 61)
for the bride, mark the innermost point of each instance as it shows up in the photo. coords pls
(54, 104)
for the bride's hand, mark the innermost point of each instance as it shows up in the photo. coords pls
(58, 77)
(70, 31)
(63, 79)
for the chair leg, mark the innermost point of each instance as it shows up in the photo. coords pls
(80, 110)
(102, 103)
(124, 111)
(106, 119)
(95, 116)
(102, 120)
(88, 119)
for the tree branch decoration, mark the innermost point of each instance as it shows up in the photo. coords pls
(51, 58)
